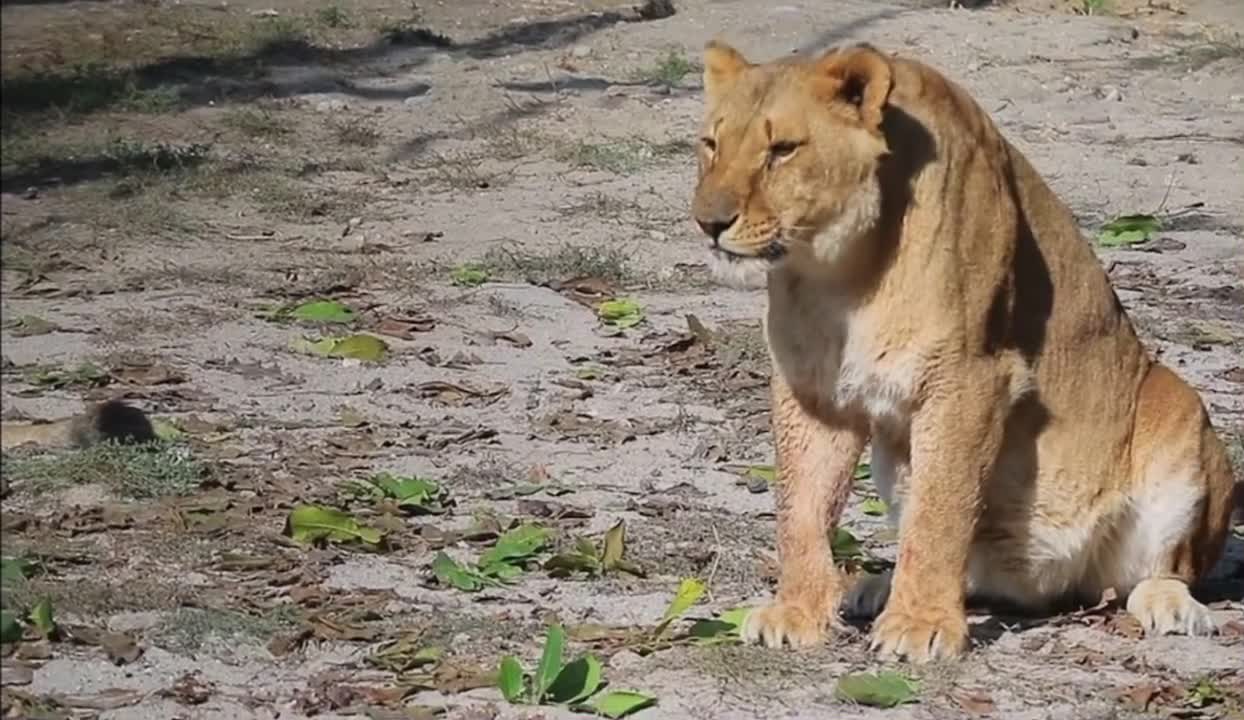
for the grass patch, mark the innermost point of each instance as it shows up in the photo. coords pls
(670, 70)
(356, 131)
(334, 16)
(564, 262)
(605, 205)
(95, 597)
(260, 123)
(190, 629)
(621, 156)
(79, 90)
(36, 161)
(463, 171)
(140, 471)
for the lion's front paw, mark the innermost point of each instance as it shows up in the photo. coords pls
(785, 622)
(921, 636)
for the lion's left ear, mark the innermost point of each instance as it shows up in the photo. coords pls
(863, 77)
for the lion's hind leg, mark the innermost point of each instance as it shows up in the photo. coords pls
(1180, 502)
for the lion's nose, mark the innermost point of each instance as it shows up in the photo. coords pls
(714, 228)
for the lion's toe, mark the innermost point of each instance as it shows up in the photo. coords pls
(1165, 606)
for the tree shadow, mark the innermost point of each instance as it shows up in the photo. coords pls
(281, 68)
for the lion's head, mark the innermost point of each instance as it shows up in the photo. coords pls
(788, 157)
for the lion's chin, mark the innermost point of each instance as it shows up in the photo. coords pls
(740, 271)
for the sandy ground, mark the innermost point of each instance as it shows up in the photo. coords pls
(548, 142)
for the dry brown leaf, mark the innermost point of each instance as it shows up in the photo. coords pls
(975, 701)
(404, 327)
(110, 699)
(189, 689)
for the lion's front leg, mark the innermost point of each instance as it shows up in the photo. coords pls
(955, 439)
(816, 463)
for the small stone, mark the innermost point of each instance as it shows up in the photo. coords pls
(328, 106)
(625, 659)
(581, 51)
(1110, 93)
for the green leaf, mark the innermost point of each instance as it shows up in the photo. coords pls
(723, 628)
(517, 545)
(576, 682)
(874, 506)
(166, 431)
(41, 618)
(10, 627)
(885, 689)
(614, 545)
(368, 348)
(767, 473)
(844, 545)
(322, 311)
(14, 570)
(690, 590)
(469, 275)
(621, 313)
(410, 491)
(567, 564)
(619, 703)
(550, 661)
(1128, 230)
(308, 524)
(863, 471)
(450, 574)
(510, 680)
(30, 325)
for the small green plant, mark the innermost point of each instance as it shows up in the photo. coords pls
(592, 560)
(409, 493)
(1093, 7)
(469, 275)
(670, 70)
(333, 16)
(575, 684)
(508, 558)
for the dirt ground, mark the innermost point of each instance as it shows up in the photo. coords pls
(472, 179)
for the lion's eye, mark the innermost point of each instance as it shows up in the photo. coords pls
(779, 150)
(709, 144)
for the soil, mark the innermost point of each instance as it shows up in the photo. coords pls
(174, 171)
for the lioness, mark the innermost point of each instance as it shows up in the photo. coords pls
(111, 420)
(928, 292)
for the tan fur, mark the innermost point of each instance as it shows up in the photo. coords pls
(111, 420)
(929, 293)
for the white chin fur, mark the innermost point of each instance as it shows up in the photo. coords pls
(739, 273)
(858, 217)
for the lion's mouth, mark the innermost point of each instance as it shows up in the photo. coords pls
(772, 252)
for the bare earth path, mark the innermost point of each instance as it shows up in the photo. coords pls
(472, 179)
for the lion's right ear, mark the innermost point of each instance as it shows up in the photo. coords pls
(722, 66)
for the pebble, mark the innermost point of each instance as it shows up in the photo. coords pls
(1110, 93)
(581, 51)
(328, 106)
